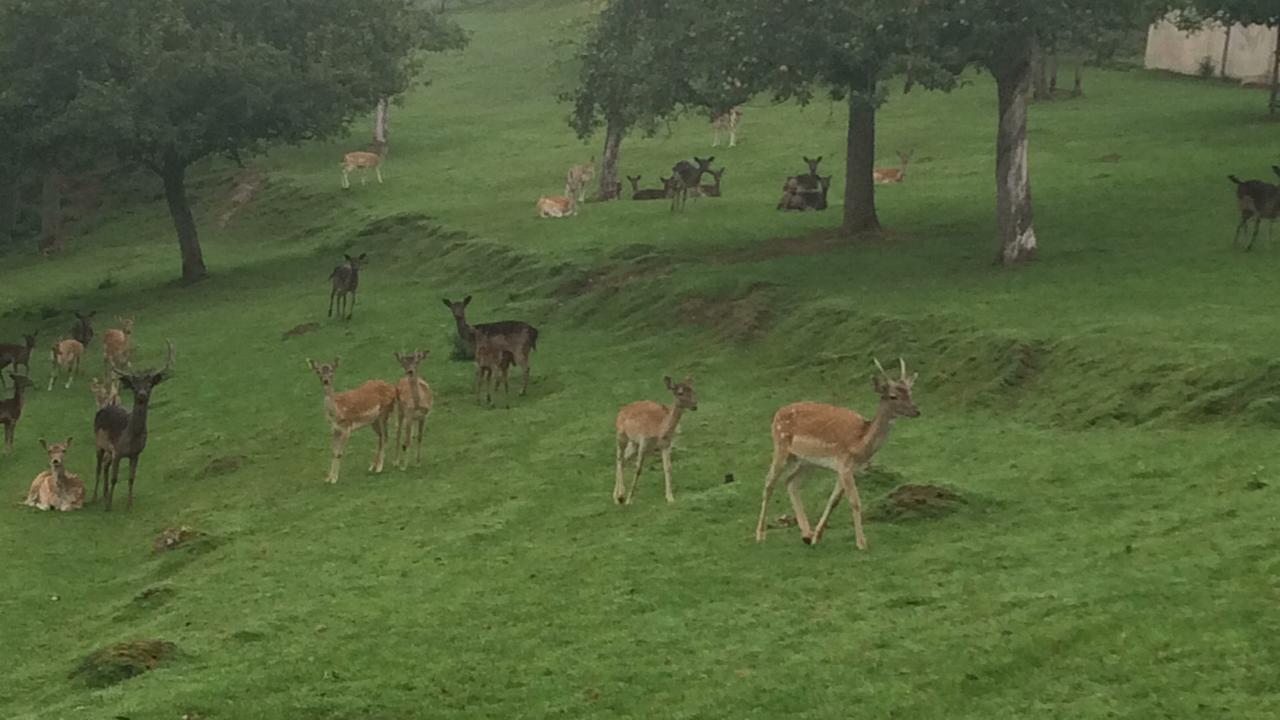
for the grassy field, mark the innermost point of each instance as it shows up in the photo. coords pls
(1108, 416)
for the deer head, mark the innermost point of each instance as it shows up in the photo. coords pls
(635, 182)
(895, 394)
(125, 325)
(142, 382)
(410, 362)
(459, 309)
(325, 371)
(813, 164)
(358, 262)
(57, 454)
(686, 398)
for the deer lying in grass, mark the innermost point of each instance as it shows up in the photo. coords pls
(807, 434)
(11, 356)
(343, 282)
(492, 365)
(370, 404)
(56, 488)
(726, 122)
(557, 206)
(11, 409)
(889, 176)
(518, 338)
(712, 190)
(121, 434)
(794, 199)
(577, 179)
(363, 161)
(104, 394)
(64, 357)
(82, 329)
(651, 193)
(117, 345)
(645, 426)
(1258, 201)
(413, 406)
(686, 175)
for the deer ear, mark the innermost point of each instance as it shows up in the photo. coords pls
(363, 257)
(348, 257)
(448, 304)
(336, 360)
(466, 301)
(877, 383)
(667, 380)
(44, 445)
(67, 444)
(310, 363)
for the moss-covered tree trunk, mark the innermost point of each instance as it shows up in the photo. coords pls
(1014, 218)
(609, 161)
(860, 160)
(174, 174)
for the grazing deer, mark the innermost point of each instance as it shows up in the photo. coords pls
(65, 357)
(363, 161)
(344, 281)
(105, 394)
(807, 434)
(712, 190)
(56, 488)
(889, 176)
(370, 404)
(82, 329)
(11, 409)
(651, 193)
(518, 338)
(726, 122)
(121, 434)
(557, 206)
(576, 180)
(11, 356)
(687, 175)
(492, 364)
(117, 345)
(645, 426)
(1258, 201)
(413, 405)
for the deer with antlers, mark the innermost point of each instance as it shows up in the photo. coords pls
(121, 434)
(117, 345)
(11, 409)
(56, 488)
(810, 434)
(413, 405)
(64, 357)
(364, 161)
(518, 338)
(370, 404)
(645, 426)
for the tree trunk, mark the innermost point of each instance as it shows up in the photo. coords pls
(1013, 180)
(609, 163)
(381, 121)
(174, 174)
(1078, 89)
(51, 225)
(1275, 77)
(860, 165)
(1053, 75)
(8, 206)
(1040, 75)
(1226, 53)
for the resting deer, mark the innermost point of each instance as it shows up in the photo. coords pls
(492, 364)
(11, 356)
(518, 338)
(413, 406)
(726, 122)
(104, 394)
(363, 161)
(807, 434)
(889, 176)
(121, 434)
(795, 199)
(1258, 201)
(808, 183)
(650, 193)
(117, 345)
(370, 404)
(712, 190)
(645, 426)
(56, 488)
(11, 409)
(64, 357)
(576, 180)
(557, 206)
(344, 281)
(687, 175)
(82, 329)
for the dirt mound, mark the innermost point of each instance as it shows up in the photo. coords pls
(737, 318)
(174, 538)
(121, 661)
(917, 502)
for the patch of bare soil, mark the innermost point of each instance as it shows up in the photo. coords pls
(738, 319)
(176, 537)
(121, 661)
(917, 502)
(248, 184)
(298, 330)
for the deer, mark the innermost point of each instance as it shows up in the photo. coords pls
(413, 406)
(11, 356)
(557, 206)
(370, 404)
(796, 200)
(117, 345)
(105, 393)
(726, 122)
(11, 409)
(492, 364)
(1257, 201)
(890, 176)
(121, 434)
(645, 426)
(56, 488)
(686, 175)
(82, 329)
(806, 434)
(363, 160)
(344, 281)
(712, 190)
(651, 193)
(518, 338)
(64, 357)
(808, 183)
(576, 180)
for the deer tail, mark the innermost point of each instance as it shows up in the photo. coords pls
(1235, 179)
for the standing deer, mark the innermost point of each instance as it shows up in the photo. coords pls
(557, 206)
(1258, 201)
(11, 356)
(645, 426)
(651, 193)
(807, 434)
(413, 406)
(56, 488)
(492, 364)
(889, 176)
(576, 180)
(712, 190)
(65, 356)
(117, 345)
(82, 329)
(11, 409)
(687, 175)
(370, 404)
(105, 394)
(344, 281)
(518, 338)
(363, 161)
(120, 434)
(726, 122)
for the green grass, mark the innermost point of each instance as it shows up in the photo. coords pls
(1108, 415)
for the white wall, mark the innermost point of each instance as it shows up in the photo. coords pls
(1249, 57)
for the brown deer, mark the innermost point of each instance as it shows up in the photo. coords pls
(121, 434)
(492, 364)
(56, 488)
(576, 180)
(11, 356)
(651, 193)
(363, 161)
(726, 122)
(105, 394)
(889, 176)
(645, 426)
(793, 198)
(557, 206)
(413, 406)
(712, 190)
(806, 434)
(518, 338)
(685, 176)
(64, 357)
(117, 345)
(344, 281)
(370, 404)
(1257, 201)
(82, 329)
(11, 409)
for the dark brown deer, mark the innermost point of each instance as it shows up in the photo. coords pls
(1258, 201)
(712, 190)
(518, 338)
(346, 279)
(11, 409)
(11, 356)
(492, 364)
(82, 329)
(651, 193)
(120, 433)
(687, 175)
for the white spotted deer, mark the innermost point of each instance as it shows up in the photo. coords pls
(645, 426)
(117, 345)
(370, 404)
(890, 176)
(413, 406)
(105, 393)
(56, 488)
(726, 122)
(518, 338)
(64, 357)
(363, 161)
(576, 180)
(808, 434)
(557, 206)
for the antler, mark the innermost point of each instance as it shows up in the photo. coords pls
(168, 362)
(880, 367)
(903, 365)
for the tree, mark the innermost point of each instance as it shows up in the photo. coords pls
(1239, 12)
(170, 82)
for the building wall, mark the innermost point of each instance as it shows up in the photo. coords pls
(1249, 56)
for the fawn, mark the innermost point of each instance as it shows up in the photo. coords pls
(363, 161)
(645, 426)
(889, 176)
(64, 357)
(343, 282)
(370, 404)
(726, 122)
(116, 345)
(492, 363)
(518, 338)
(651, 193)
(413, 406)
(557, 206)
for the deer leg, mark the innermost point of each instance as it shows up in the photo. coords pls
(619, 489)
(666, 472)
(837, 492)
(346, 182)
(53, 374)
(642, 449)
(770, 481)
(351, 309)
(340, 438)
(380, 428)
(792, 481)
(75, 372)
(133, 474)
(378, 171)
(733, 137)
(97, 473)
(855, 504)
(8, 438)
(332, 295)
(422, 429)
(109, 488)
(1257, 225)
